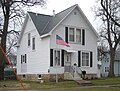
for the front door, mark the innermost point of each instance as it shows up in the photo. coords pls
(67, 59)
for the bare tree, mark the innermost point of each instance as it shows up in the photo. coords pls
(11, 12)
(109, 14)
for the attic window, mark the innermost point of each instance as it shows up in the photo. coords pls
(75, 13)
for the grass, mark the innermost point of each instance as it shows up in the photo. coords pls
(61, 86)
(106, 81)
(48, 85)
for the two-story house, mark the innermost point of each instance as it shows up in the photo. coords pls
(39, 55)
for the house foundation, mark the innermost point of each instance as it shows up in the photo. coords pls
(50, 77)
(44, 77)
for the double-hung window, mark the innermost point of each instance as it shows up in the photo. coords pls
(71, 35)
(78, 35)
(106, 69)
(24, 58)
(75, 35)
(33, 43)
(86, 59)
(57, 57)
(28, 39)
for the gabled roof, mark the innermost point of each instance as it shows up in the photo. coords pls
(40, 21)
(45, 23)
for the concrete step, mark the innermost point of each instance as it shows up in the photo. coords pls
(84, 82)
(68, 76)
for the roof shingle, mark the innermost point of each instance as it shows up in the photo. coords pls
(45, 23)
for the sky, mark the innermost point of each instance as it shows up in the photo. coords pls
(59, 5)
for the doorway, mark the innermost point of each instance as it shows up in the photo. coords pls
(67, 59)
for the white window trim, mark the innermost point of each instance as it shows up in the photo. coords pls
(54, 58)
(106, 70)
(75, 28)
(28, 39)
(32, 43)
(81, 58)
(69, 34)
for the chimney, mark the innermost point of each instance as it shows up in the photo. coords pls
(36, 13)
(53, 12)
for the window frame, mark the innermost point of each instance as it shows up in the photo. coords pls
(29, 41)
(82, 58)
(24, 58)
(54, 65)
(33, 43)
(75, 35)
(106, 69)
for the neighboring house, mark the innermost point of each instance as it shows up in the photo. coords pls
(105, 62)
(40, 56)
(117, 63)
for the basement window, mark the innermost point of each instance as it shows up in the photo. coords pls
(24, 76)
(39, 76)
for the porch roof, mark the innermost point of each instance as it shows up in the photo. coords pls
(70, 50)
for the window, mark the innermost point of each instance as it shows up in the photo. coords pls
(57, 57)
(24, 76)
(39, 76)
(106, 69)
(33, 43)
(75, 35)
(23, 58)
(29, 39)
(71, 35)
(78, 35)
(85, 58)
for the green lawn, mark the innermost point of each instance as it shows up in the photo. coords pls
(106, 81)
(62, 86)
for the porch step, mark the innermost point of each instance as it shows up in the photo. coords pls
(68, 76)
(83, 82)
(77, 77)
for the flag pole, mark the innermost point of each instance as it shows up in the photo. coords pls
(56, 59)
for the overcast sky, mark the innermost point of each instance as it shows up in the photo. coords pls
(59, 5)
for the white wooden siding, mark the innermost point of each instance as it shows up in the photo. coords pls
(38, 59)
(90, 39)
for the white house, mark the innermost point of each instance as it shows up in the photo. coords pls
(40, 56)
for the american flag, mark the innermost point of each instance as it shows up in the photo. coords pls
(60, 41)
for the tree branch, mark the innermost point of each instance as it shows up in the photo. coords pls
(116, 23)
(13, 31)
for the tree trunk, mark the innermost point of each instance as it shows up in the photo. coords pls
(3, 45)
(111, 67)
(1, 72)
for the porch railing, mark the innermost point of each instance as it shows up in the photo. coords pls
(69, 69)
(73, 69)
(78, 70)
